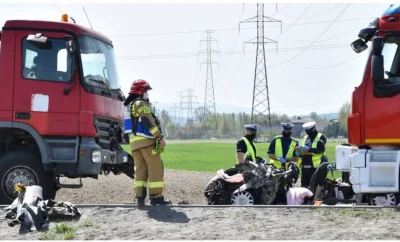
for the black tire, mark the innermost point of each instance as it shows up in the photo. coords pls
(29, 163)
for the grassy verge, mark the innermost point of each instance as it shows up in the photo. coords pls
(210, 157)
(65, 231)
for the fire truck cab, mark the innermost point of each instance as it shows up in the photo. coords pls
(61, 113)
(373, 159)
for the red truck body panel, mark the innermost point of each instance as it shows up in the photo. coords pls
(64, 115)
(374, 120)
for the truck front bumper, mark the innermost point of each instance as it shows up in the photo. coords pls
(93, 157)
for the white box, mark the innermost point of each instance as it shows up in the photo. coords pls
(342, 157)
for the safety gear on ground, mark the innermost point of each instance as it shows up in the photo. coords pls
(250, 149)
(279, 151)
(33, 213)
(139, 87)
(149, 173)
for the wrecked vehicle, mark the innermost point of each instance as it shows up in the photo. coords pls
(251, 183)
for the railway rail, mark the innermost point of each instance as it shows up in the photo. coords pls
(345, 206)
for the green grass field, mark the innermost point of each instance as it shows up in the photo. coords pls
(210, 157)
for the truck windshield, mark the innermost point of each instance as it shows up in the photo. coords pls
(99, 63)
(391, 55)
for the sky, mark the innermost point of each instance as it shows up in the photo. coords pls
(313, 68)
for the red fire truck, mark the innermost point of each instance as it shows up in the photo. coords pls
(61, 111)
(373, 163)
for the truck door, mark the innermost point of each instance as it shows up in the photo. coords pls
(42, 72)
(381, 101)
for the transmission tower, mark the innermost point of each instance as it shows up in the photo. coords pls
(209, 97)
(174, 112)
(260, 111)
(189, 105)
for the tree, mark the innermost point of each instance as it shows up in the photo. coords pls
(314, 116)
(344, 112)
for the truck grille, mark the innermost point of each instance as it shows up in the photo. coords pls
(102, 126)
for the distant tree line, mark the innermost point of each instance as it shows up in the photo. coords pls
(230, 125)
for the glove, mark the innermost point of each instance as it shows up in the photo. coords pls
(298, 153)
(303, 148)
(282, 160)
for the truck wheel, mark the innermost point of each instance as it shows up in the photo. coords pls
(389, 199)
(27, 169)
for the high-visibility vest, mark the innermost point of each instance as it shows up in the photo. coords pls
(279, 150)
(316, 158)
(250, 149)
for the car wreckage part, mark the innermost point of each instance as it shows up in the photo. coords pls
(242, 198)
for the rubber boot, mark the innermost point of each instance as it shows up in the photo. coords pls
(140, 200)
(159, 201)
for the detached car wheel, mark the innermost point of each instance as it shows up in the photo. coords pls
(25, 168)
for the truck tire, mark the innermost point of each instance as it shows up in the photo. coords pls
(26, 168)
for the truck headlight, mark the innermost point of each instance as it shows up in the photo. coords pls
(96, 156)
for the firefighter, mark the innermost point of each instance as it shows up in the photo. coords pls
(246, 145)
(146, 143)
(313, 152)
(281, 150)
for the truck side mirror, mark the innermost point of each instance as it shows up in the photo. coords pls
(70, 47)
(377, 45)
(377, 65)
(70, 44)
(39, 41)
(359, 46)
(377, 70)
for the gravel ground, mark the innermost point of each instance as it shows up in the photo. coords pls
(223, 224)
(204, 223)
(111, 189)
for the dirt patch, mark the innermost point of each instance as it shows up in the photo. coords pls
(111, 189)
(220, 224)
(202, 223)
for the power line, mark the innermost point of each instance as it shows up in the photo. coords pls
(323, 12)
(288, 106)
(232, 52)
(319, 67)
(319, 35)
(230, 49)
(232, 29)
(332, 38)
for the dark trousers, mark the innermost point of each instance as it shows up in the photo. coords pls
(308, 170)
(306, 174)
